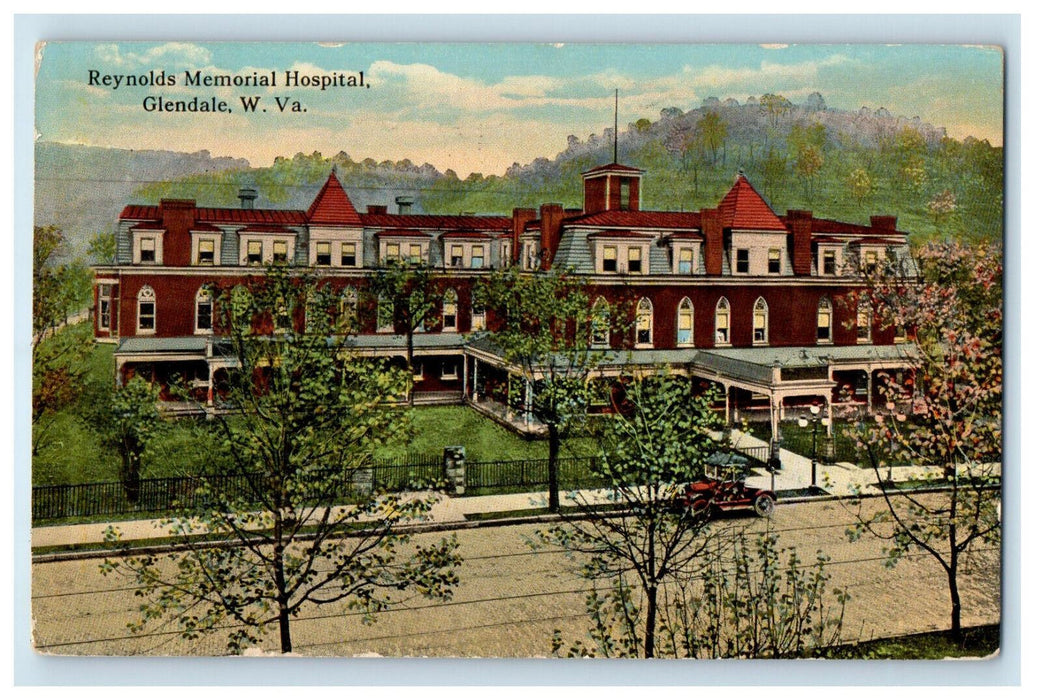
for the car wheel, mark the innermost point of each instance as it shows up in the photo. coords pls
(763, 505)
(698, 507)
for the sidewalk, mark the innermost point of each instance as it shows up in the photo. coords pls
(838, 480)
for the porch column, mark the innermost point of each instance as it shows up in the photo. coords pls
(727, 405)
(828, 415)
(119, 371)
(476, 379)
(776, 402)
(209, 385)
(466, 366)
(868, 373)
(528, 404)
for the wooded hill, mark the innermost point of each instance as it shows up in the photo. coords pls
(841, 164)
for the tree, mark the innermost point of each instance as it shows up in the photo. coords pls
(273, 539)
(543, 324)
(712, 133)
(946, 418)
(658, 441)
(411, 294)
(808, 162)
(775, 170)
(102, 248)
(774, 106)
(129, 421)
(859, 182)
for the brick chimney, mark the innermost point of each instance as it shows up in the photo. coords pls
(521, 217)
(247, 195)
(550, 217)
(177, 216)
(884, 223)
(380, 209)
(798, 221)
(713, 230)
(404, 203)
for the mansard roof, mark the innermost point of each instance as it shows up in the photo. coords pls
(218, 215)
(332, 206)
(658, 220)
(436, 221)
(743, 208)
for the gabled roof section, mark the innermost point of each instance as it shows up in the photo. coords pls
(437, 222)
(215, 215)
(613, 168)
(629, 219)
(332, 205)
(743, 208)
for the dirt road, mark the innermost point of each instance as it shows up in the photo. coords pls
(511, 599)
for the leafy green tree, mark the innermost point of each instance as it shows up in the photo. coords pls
(102, 248)
(711, 133)
(945, 417)
(412, 295)
(859, 184)
(129, 421)
(774, 107)
(308, 413)
(655, 444)
(809, 162)
(775, 171)
(542, 323)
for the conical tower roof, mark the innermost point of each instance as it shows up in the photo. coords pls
(332, 206)
(743, 208)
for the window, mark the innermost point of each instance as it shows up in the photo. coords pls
(624, 194)
(774, 261)
(686, 261)
(104, 307)
(741, 261)
(448, 310)
(900, 333)
(347, 318)
(723, 322)
(254, 253)
(384, 314)
(645, 319)
(146, 310)
(449, 369)
(864, 322)
(349, 255)
(323, 253)
(828, 264)
(148, 249)
(685, 323)
(871, 262)
(636, 260)
(456, 255)
(414, 253)
(610, 259)
(600, 323)
(205, 254)
(504, 254)
(477, 317)
(417, 371)
(477, 256)
(824, 320)
(393, 252)
(280, 252)
(760, 322)
(530, 259)
(281, 317)
(203, 311)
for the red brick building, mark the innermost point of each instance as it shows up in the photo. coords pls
(738, 295)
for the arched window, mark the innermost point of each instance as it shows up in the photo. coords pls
(347, 314)
(477, 315)
(204, 310)
(864, 321)
(723, 322)
(760, 322)
(824, 320)
(645, 318)
(146, 310)
(600, 324)
(685, 323)
(384, 315)
(448, 310)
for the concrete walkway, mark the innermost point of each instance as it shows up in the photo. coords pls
(838, 480)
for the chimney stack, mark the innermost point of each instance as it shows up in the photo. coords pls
(713, 230)
(886, 223)
(799, 221)
(550, 218)
(521, 217)
(404, 203)
(376, 209)
(246, 197)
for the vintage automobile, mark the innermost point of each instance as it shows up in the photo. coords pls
(723, 488)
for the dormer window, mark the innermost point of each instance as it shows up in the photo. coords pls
(279, 252)
(254, 253)
(414, 253)
(205, 254)
(394, 252)
(686, 261)
(828, 263)
(324, 253)
(349, 254)
(871, 262)
(741, 261)
(456, 255)
(148, 249)
(774, 261)
(635, 260)
(610, 259)
(477, 257)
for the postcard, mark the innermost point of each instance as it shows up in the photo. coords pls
(517, 350)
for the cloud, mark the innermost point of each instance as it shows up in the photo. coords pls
(176, 55)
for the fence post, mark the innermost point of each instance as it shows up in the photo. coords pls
(454, 463)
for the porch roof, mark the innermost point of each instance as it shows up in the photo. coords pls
(188, 345)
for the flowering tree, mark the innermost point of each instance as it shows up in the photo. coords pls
(946, 417)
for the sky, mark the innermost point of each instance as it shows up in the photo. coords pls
(479, 107)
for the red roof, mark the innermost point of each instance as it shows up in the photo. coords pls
(213, 215)
(402, 233)
(147, 225)
(332, 205)
(436, 221)
(640, 219)
(744, 208)
(466, 234)
(620, 234)
(613, 168)
(261, 228)
(831, 226)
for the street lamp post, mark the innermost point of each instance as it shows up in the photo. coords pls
(816, 419)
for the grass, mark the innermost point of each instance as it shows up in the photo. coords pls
(979, 642)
